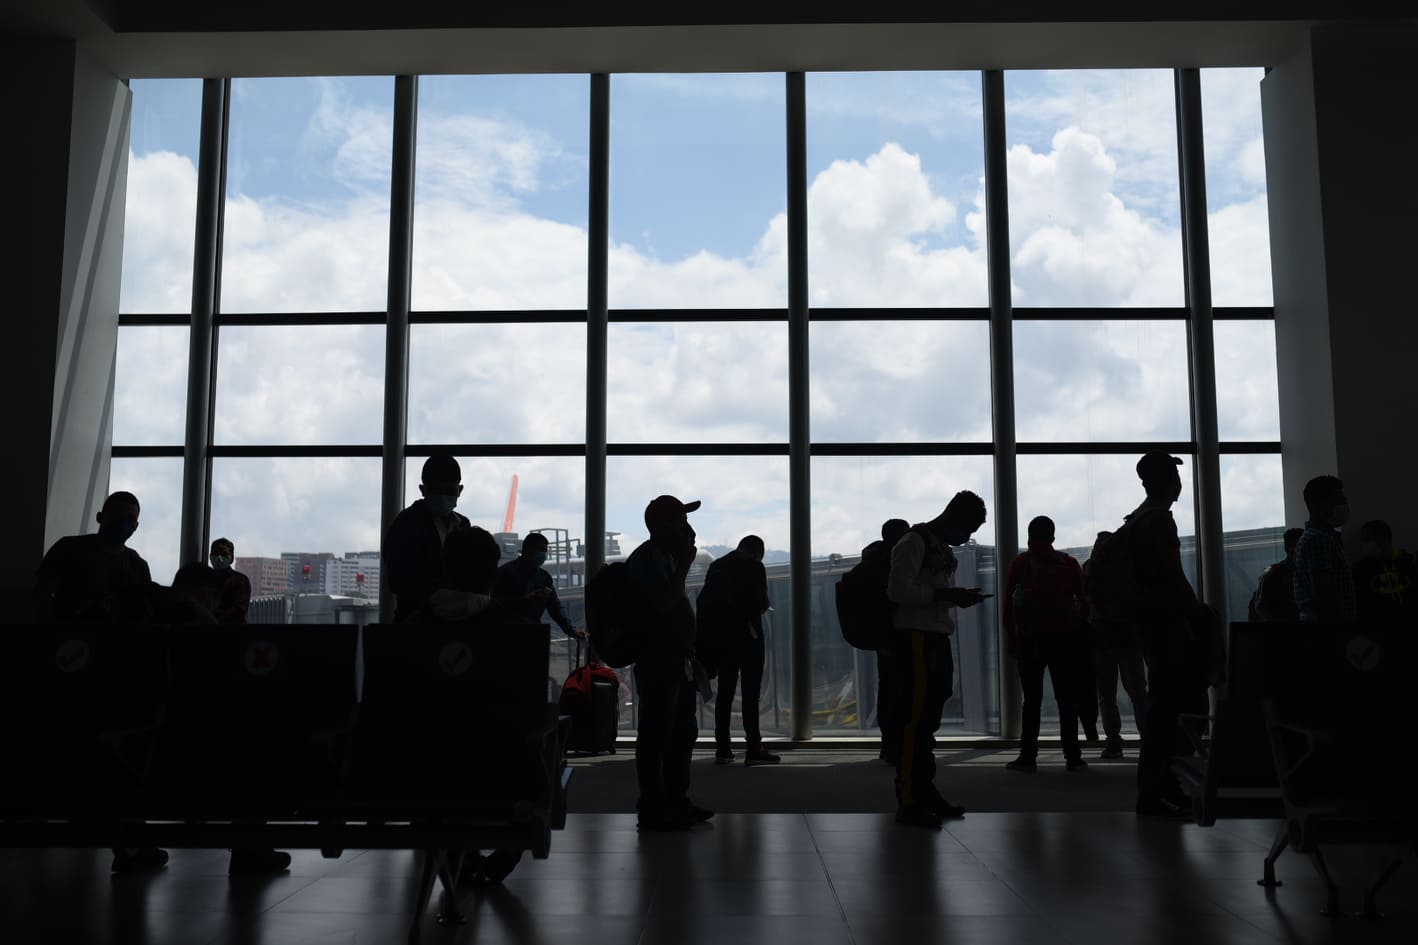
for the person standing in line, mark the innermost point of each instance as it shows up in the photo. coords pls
(233, 588)
(922, 586)
(1274, 598)
(524, 587)
(413, 548)
(1044, 617)
(889, 702)
(1115, 656)
(666, 687)
(730, 610)
(1323, 583)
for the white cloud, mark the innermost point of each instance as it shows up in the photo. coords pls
(882, 233)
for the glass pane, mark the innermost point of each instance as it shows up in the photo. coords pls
(549, 496)
(150, 387)
(1253, 516)
(314, 520)
(310, 385)
(1238, 222)
(1098, 381)
(160, 208)
(1094, 218)
(500, 196)
(1247, 388)
(307, 207)
(851, 498)
(697, 191)
(157, 483)
(895, 202)
(705, 382)
(742, 495)
(1088, 494)
(497, 384)
(879, 382)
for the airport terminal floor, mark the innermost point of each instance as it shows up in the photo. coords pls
(1078, 877)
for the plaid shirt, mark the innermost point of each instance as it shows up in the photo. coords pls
(1321, 549)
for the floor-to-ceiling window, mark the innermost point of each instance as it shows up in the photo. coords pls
(697, 353)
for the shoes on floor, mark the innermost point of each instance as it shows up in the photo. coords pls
(1114, 748)
(497, 866)
(139, 860)
(695, 813)
(723, 757)
(1075, 764)
(1022, 764)
(257, 862)
(761, 757)
(664, 822)
(944, 809)
(918, 815)
(1159, 807)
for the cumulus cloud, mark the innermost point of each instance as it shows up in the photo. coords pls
(883, 232)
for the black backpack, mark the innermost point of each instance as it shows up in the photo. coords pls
(864, 612)
(615, 615)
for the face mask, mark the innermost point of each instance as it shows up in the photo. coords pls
(441, 506)
(221, 562)
(538, 558)
(119, 530)
(1339, 515)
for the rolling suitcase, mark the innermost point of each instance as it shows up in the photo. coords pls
(591, 696)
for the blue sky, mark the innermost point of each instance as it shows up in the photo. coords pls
(697, 197)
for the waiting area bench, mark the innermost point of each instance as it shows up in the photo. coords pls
(1310, 728)
(437, 739)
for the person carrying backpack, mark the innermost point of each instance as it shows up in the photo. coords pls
(921, 584)
(1137, 574)
(665, 668)
(1044, 621)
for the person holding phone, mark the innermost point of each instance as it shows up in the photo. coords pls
(921, 583)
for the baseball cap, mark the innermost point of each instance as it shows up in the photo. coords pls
(667, 509)
(1156, 463)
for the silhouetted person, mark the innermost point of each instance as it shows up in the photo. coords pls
(1043, 617)
(412, 556)
(1385, 581)
(890, 708)
(524, 587)
(233, 588)
(470, 556)
(1115, 655)
(730, 610)
(922, 586)
(1274, 597)
(667, 716)
(192, 599)
(96, 578)
(1163, 621)
(1323, 583)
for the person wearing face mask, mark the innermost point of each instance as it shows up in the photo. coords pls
(96, 578)
(233, 588)
(525, 589)
(1323, 583)
(1385, 579)
(921, 583)
(412, 555)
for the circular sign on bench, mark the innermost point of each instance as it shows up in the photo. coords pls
(455, 658)
(72, 656)
(1363, 654)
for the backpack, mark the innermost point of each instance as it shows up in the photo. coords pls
(864, 612)
(1113, 590)
(615, 616)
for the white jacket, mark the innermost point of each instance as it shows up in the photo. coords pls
(919, 565)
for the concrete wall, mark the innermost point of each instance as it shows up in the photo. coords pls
(66, 176)
(1340, 137)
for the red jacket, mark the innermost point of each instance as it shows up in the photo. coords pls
(1044, 594)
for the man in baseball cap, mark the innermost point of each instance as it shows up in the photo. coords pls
(665, 684)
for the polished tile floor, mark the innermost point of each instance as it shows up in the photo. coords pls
(1079, 878)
